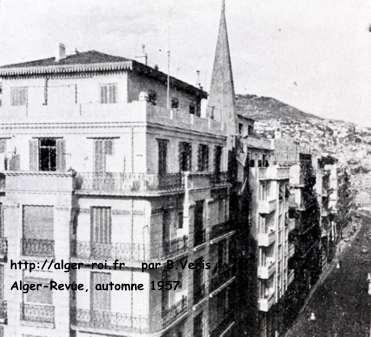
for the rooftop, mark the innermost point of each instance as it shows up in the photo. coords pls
(91, 61)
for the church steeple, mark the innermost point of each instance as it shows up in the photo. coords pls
(221, 104)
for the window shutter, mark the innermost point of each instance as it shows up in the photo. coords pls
(2, 145)
(61, 157)
(206, 158)
(99, 156)
(108, 146)
(180, 156)
(34, 154)
(100, 300)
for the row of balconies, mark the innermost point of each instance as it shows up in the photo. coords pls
(145, 183)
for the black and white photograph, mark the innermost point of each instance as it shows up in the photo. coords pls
(196, 168)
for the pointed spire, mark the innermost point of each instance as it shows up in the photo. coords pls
(221, 103)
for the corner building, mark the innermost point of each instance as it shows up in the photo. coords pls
(97, 164)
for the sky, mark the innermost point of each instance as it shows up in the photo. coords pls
(312, 54)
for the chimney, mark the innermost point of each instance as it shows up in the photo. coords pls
(61, 52)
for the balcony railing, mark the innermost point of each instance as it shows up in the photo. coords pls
(37, 247)
(3, 311)
(199, 237)
(222, 325)
(135, 252)
(223, 274)
(220, 229)
(3, 247)
(107, 320)
(41, 313)
(199, 293)
(175, 311)
(219, 178)
(127, 182)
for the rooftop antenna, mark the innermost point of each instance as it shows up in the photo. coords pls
(144, 55)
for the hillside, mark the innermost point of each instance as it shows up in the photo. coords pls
(350, 143)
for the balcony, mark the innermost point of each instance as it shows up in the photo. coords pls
(267, 238)
(108, 321)
(292, 224)
(3, 312)
(134, 252)
(274, 173)
(221, 229)
(175, 311)
(291, 249)
(265, 303)
(256, 142)
(127, 183)
(223, 274)
(3, 248)
(222, 325)
(199, 293)
(199, 237)
(266, 206)
(37, 247)
(291, 276)
(220, 178)
(265, 272)
(37, 313)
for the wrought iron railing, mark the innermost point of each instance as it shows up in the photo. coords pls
(135, 252)
(107, 320)
(221, 325)
(128, 182)
(43, 313)
(37, 247)
(171, 314)
(219, 178)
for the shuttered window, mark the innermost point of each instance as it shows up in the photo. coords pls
(185, 156)
(47, 154)
(18, 96)
(41, 296)
(162, 156)
(108, 93)
(100, 299)
(217, 159)
(102, 149)
(203, 157)
(38, 222)
(101, 224)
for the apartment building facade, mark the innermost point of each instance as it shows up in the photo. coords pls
(100, 164)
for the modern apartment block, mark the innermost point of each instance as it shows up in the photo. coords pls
(105, 164)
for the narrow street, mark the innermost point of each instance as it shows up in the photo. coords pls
(341, 304)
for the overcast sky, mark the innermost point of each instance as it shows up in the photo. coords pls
(313, 54)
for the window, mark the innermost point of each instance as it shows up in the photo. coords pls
(100, 300)
(250, 129)
(240, 128)
(185, 156)
(162, 156)
(47, 154)
(18, 96)
(203, 157)
(217, 159)
(108, 93)
(192, 109)
(102, 149)
(101, 225)
(38, 230)
(197, 326)
(152, 97)
(43, 295)
(175, 103)
(180, 219)
(199, 230)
